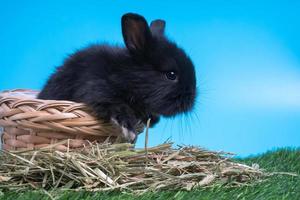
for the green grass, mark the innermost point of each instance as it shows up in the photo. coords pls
(275, 187)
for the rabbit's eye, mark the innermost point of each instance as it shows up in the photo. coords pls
(171, 75)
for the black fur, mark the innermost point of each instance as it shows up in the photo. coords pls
(128, 84)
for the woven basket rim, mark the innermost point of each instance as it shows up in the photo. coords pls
(31, 122)
(5, 93)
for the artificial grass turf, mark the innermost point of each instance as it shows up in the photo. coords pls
(276, 187)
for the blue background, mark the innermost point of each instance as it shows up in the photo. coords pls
(246, 53)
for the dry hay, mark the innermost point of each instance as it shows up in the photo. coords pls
(123, 167)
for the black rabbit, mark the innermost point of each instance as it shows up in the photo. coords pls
(149, 78)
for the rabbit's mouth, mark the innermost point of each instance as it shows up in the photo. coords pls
(182, 104)
(169, 110)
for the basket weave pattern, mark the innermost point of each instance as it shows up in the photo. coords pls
(31, 123)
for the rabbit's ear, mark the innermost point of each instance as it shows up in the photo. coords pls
(157, 27)
(136, 33)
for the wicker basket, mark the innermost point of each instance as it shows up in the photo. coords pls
(30, 123)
